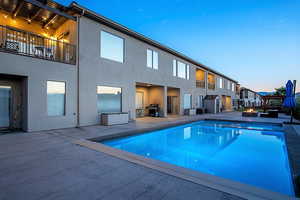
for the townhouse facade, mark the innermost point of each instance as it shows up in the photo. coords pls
(250, 98)
(64, 66)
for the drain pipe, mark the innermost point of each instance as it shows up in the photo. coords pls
(78, 68)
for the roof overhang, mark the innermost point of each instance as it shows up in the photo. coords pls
(46, 13)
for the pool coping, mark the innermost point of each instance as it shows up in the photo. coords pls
(291, 137)
(225, 185)
(164, 126)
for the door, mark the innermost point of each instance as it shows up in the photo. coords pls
(5, 106)
(172, 105)
(175, 105)
(228, 103)
(139, 100)
(217, 105)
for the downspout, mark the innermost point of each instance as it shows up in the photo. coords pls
(78, 72)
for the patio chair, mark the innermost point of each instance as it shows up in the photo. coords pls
(12, 46)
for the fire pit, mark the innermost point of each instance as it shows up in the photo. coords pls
(250, 113)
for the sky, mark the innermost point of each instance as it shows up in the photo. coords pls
(256, 42)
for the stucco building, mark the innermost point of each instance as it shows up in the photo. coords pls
(64, 66)
(250, 98)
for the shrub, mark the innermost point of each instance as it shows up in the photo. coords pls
(297, 109)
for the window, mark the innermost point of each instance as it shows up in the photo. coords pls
(109, 99)
(152, 59)
(187, 103)
(200, 101)
(56, 97)
(112, 47)
(221, 83)
(228, 85)
(5, 101)
(232, 87)
(149, 58)
(187, 72)
(155, 60)
(174, 68)
(181, 70)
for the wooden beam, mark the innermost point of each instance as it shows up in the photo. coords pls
(53, 10)
(17, 9)
(36, 14)
(50, 20)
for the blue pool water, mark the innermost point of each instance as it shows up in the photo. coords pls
(250, 153)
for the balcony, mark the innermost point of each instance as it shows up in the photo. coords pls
(200, 84)
(211, 86)
(29, 44)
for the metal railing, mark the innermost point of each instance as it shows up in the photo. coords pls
(200, 84)
(29, 44)
(211, 86)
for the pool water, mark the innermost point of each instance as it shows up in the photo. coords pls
(249, 153)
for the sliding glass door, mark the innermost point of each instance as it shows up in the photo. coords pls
(5, 101)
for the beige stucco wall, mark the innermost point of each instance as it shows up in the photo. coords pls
(95, 70)
(37, 72)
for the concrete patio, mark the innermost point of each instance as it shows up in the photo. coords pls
(48, 165)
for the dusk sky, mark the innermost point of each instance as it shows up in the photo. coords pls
(256, 42)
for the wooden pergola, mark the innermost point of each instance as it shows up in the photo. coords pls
(267, 99)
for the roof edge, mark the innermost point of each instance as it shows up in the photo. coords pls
(97, 17)
(244, 88)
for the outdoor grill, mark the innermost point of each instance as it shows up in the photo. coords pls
(153, 110)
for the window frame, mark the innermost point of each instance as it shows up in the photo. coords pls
(187, 73)
(186, 69)
(151, 58)
(191, 100)
(228, 85)
(65, 98)
(123, 44)
(200, 101)
(175, 67)
(121, 99)
(152, 52)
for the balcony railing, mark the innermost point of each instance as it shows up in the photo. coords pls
(28, 44)
(211, 86)
(200, 84)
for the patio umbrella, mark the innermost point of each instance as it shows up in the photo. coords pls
(289, 100)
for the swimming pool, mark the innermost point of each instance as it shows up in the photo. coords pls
(251, 153)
